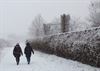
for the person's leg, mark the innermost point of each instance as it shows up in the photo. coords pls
(28, 59)
(17, 60)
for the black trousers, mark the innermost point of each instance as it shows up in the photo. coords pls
(17, 60)
(28, 57)
(17, 57)
(28, 60)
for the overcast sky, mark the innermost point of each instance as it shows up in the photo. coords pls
(17, 15)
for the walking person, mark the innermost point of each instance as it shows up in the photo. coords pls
(28, 51)
(17, 52)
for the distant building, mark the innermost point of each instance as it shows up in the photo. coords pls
(58, 28)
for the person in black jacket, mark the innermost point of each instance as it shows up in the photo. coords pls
(17, 52)
(28, 50)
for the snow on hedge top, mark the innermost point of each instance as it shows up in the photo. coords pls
(89, 36)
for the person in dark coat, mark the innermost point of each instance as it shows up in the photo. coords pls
(17, 52)
(28, 50)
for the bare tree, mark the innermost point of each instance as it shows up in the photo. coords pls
(36, 29)
(78, 24)
(95, 13)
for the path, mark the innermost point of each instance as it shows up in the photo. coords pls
(41, 62)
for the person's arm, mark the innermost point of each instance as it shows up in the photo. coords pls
(21, 51)
(13, 50)
(32, 50)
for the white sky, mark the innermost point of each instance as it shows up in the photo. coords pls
(17, 15)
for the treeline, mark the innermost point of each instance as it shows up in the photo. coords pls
(4, 43)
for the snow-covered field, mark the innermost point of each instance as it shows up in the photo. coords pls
(41, 62)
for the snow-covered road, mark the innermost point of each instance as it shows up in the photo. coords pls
(41, 62)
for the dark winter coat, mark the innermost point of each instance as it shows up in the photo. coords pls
(17, 51)
(28, 50)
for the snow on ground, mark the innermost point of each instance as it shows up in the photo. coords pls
(41, 62)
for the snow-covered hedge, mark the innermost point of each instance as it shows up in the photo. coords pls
(83, 46)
